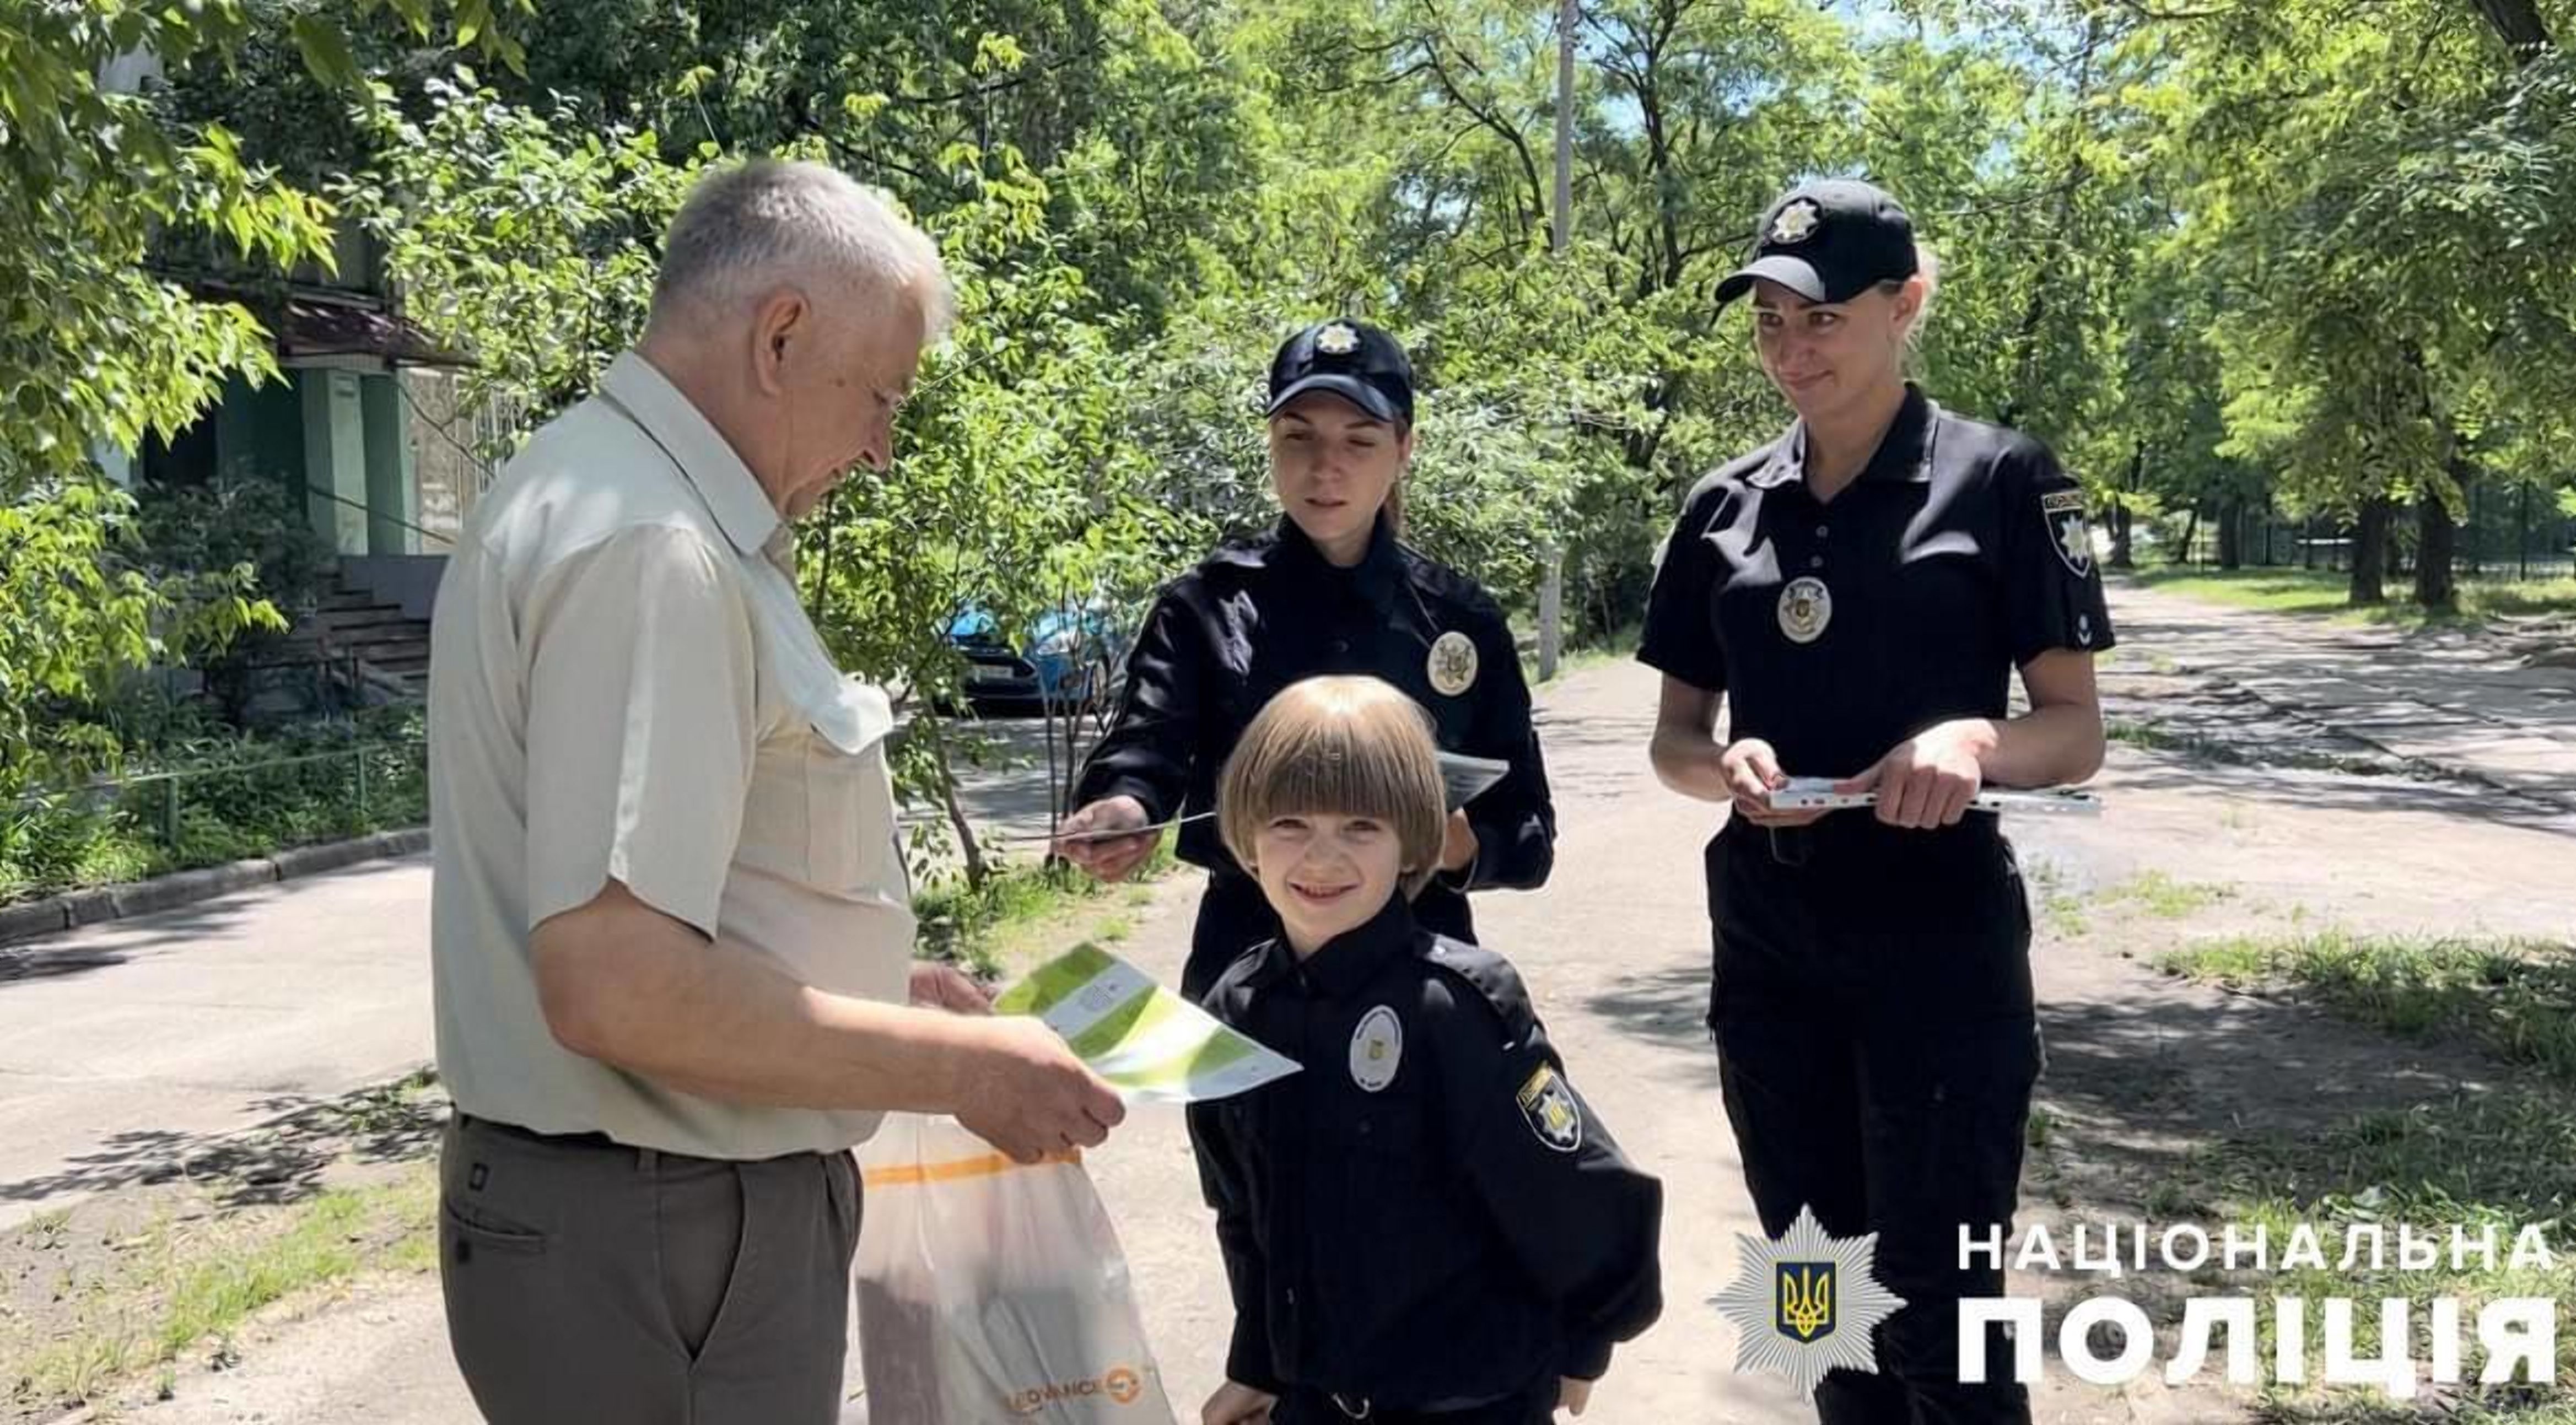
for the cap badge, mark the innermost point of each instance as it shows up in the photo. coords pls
(1337, 340)
(1797, 222)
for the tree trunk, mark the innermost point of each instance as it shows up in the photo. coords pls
(968, 848)
(2190, 532)
(2231, 535)
(2123, 543)
(2518, 24)
(2437, 543)
(2370, 552)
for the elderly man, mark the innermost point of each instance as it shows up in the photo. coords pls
(672, 931)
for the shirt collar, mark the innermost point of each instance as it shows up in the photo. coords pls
(1904, 454)
(1378, 574)
(1347, 962)
(647, 397)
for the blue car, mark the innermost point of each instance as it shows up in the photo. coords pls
(1071, 659)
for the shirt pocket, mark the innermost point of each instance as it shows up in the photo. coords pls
(822, 809)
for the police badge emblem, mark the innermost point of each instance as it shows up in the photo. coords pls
(1797, 222)
(1805, 1309)
(1552, 1111)
(1377, 1049)
(1806, 607)
(1337, 340)
(1453, 664)
(2068, 531)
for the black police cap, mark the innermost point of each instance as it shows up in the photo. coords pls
(1351, 359)
(1828, 241)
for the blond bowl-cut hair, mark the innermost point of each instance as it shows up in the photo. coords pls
(1339, 746)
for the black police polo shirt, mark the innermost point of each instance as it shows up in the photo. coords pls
(1838, 629)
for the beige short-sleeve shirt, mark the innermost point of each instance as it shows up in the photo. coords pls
(624, 686)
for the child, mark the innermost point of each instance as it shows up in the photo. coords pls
(1427, 1223)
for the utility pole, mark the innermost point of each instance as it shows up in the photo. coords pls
(1551, 591)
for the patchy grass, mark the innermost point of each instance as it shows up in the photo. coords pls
(2492, 1159)
(2516, 999)
(2059, 907)
(1613, 647)
(2320, 593)
(983, 929)
(2165, 898)
(179, 1288)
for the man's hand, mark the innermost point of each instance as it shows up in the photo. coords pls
(1752, 773)
(1107, 858)
(1235, 1404)
(1027, 1094)
(937, 985)
(1928, 780)
(1458, 843)
(1573, 1395)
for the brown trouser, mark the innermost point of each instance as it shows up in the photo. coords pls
(587, 1281)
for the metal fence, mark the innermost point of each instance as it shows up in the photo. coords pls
(282, 800)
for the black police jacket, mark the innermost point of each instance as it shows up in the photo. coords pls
(1426, 1215)
(1260, 614)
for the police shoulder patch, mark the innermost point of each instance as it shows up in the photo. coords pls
(2068, 532)
(1551, 1109)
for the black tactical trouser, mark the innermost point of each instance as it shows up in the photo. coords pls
(1877, 1046)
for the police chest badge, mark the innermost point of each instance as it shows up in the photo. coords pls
(1453, 664)
(2067, 531)
(1377, 1049)
(1551, 1110)
(1806, 607)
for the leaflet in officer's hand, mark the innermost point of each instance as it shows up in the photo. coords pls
(1818, 794)
(1466, 778)
(1149, 1043)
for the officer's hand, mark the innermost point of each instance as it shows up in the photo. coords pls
(1929, 779)
(1107, 858)
(1235, 1404)
(1572, 1395)
(1027, 1094)
(1752, 772)
(1458, 843)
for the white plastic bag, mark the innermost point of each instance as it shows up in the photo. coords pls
(991, 1291)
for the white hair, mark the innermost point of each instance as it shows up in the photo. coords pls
(750, 227)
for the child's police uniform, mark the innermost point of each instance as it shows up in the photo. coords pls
(1260, 614)
(1872, 997)
(1427, 1222)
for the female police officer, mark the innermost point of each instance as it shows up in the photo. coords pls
(1329, 590)
(1859, 592)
